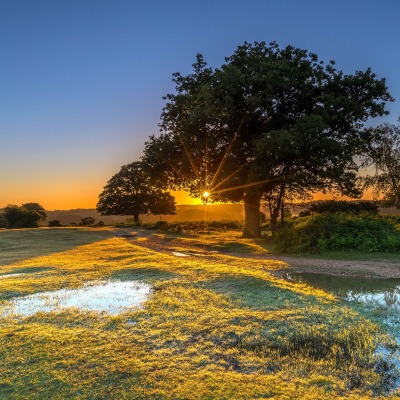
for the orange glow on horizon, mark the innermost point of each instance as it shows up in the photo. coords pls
(61, 197)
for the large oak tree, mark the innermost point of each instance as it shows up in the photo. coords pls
(270, 121)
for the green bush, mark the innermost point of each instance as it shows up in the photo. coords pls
(192, 225)
(54, 222)
(340, 206)
(364, 232)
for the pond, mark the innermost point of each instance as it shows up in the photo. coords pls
(112, 297)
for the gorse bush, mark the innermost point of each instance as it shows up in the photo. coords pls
(364, 232)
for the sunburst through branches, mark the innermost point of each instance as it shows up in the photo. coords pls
(212, 189)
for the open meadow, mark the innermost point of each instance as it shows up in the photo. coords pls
(210, 324)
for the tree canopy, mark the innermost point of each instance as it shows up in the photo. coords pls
(130, 192)
(271, 121)
(36, 207)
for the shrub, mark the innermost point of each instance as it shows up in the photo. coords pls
(364, 232)
(88, 221)
(192, 225)
(340, 206)
(54, 222)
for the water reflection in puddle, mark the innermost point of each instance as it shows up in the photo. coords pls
(178, 254)
(379, 293)
(193, 254)
(112, 297)
(10, 275)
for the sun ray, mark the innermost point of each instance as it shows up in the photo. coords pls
(228, 150)
(246, 185)
(212, 188)
(206, 169)
(200, 187)
(192, 163)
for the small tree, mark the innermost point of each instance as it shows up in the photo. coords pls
(384, 154)
(20, 217)
(130, 192)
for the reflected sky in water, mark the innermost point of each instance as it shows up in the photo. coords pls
(384, 293)
(112, 297)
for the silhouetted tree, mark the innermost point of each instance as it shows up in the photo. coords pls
(130, 192)
(384, 154)
(36, 207)
(268, 122)
(3, 221)
(21, 217)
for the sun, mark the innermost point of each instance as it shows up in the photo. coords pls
(205, 197)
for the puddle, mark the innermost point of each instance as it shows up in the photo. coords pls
(112, 297)
(11, 275)
(379, 295)
(178, 254)
(192, 253)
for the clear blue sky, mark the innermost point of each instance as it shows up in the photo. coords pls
(81, 81)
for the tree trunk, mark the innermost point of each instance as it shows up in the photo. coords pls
(135, 217)
(274, 220)
(252, 227)
(277, 210)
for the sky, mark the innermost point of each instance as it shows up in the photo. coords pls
(82, 81)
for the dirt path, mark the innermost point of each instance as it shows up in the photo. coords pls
(352, 268)
(382, 269)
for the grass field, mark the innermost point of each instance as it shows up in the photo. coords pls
(217, 326)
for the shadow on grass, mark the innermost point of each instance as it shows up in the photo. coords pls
(148, 275)
(256, 293)
(20, 244)
(251, 247)
(28, 270)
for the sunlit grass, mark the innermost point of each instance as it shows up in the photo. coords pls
(228, 241)
(216, 327)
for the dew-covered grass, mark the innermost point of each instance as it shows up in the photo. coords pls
(214, 327)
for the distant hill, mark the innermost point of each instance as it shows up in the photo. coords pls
(185, 212)
(213, 212)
